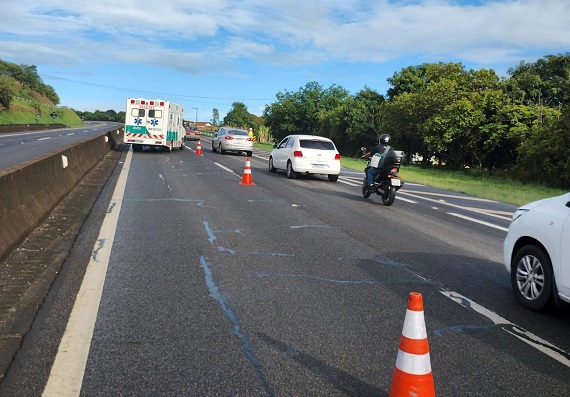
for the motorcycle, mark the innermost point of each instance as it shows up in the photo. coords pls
(387, 182)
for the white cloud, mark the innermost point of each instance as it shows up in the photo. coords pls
(287, 30)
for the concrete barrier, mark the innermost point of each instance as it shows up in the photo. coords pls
(29, 191)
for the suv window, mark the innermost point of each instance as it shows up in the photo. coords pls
(316, 144)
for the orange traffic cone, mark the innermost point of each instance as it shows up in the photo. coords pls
(199, 149)
(246, 179)
(412, 375)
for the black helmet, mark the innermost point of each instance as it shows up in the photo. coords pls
(384, 139)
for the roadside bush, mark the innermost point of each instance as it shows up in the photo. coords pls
(7, 91)
(544, 155)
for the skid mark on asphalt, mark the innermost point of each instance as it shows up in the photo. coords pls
(331, 280)
(212, 233)
(212, 237)
(312, 226)
(237, 330)
(234, 252)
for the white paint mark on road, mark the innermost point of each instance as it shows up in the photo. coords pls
(505, 229)
(226, 168)
(527, 337)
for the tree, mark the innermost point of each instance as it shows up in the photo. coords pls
(545, 82)
(361, 122)
(215, 117)
(7, 91)
(311, 110)
(543, 156)
(238, 116)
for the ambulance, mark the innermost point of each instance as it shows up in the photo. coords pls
(155, 123)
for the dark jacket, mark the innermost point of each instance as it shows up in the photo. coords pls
(389, 156)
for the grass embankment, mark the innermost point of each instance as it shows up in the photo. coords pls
(499, 189)
(27, 112)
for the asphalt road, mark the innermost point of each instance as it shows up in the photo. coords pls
(281, 288)
(20, 147)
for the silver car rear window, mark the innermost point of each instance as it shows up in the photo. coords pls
(238, 132)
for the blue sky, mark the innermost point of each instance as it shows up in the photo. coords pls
(210, 54)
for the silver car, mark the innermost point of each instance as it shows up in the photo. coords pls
(229, 139)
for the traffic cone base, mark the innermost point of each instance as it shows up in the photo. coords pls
(405, 384)
(246, 179)
(412, 374)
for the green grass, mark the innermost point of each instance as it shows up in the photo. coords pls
(489, 187)
(25, 112)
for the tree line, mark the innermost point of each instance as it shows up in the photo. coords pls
(447, 115)
(99, 115)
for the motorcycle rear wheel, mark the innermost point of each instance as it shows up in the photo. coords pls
(389, 197)
(365, 191)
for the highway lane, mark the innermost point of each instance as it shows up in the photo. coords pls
(299, 287)
(20, 147)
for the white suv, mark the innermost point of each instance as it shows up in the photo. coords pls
(306, 154)
(537, 252)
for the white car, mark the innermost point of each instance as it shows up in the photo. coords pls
(232, 140)
(537, 252)
(306, 154)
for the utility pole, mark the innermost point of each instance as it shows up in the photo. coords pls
(196, 116)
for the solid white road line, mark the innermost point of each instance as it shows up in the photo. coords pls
(505, 229)
(67, 372)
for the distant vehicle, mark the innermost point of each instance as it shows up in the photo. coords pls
(306, 154)
(537, 252)
(232, 140)
(154, 123)
(192, 133)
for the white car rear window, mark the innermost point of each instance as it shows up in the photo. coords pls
(316, 144)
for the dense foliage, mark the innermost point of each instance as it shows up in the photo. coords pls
(28, 77)
(444, 114)
(98, 115)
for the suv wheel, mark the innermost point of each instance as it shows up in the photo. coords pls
(532, 278)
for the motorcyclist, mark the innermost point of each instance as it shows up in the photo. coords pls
(384, 150)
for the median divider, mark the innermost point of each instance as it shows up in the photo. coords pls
(29, 191)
